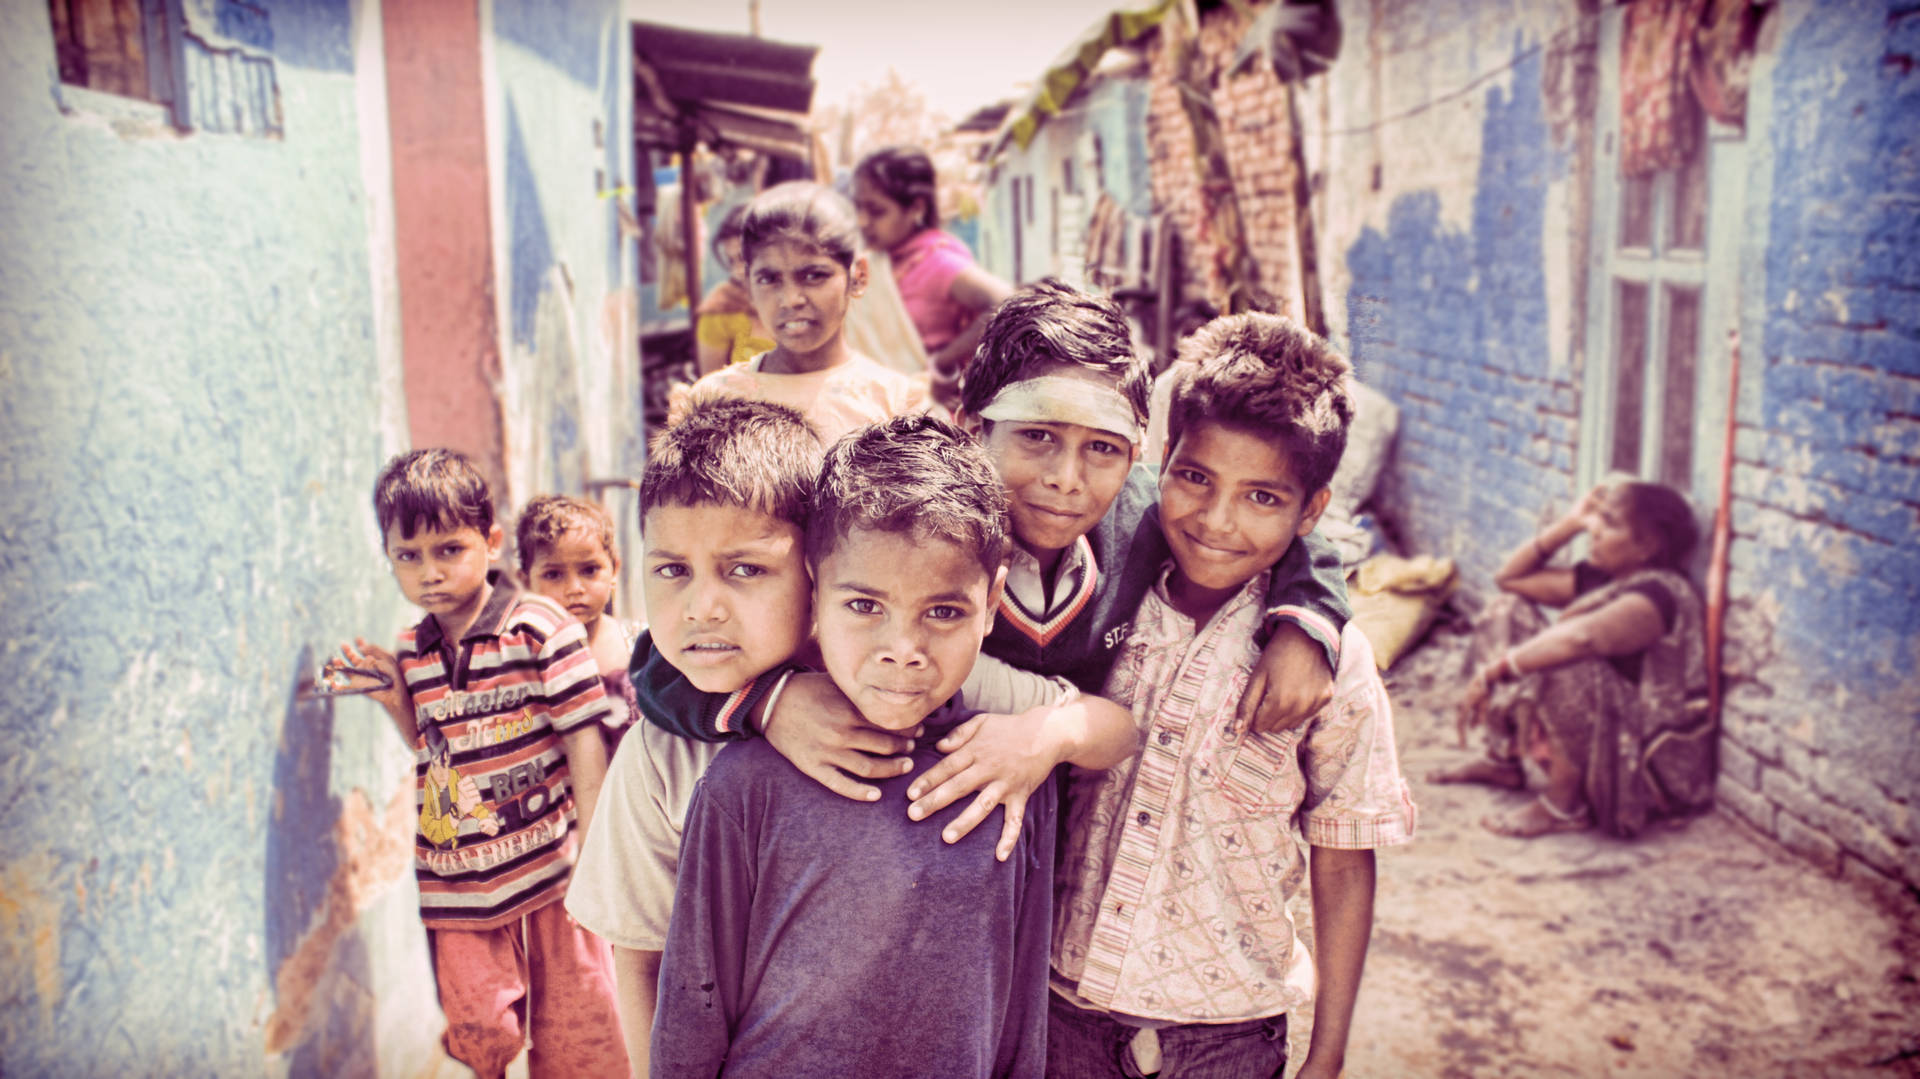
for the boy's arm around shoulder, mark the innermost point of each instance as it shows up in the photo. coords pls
(1308, 588)
(1306, 611)
(821, 734)
(675, 705)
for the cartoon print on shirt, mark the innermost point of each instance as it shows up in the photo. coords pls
(449, 797)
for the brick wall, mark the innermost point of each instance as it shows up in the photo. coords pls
(1447, 307)
(1257, 132)
(1453, 235)
(1819, 746)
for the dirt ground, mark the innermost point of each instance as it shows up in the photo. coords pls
(1697, 950)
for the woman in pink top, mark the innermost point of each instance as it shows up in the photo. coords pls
(946, 293)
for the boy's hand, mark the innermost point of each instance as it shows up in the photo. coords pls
(1290, 682)
(372, 657)
(1003, 757)
(815, 727)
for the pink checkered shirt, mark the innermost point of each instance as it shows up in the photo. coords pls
(1172, 902)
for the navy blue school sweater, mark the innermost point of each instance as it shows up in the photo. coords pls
(1308, 588)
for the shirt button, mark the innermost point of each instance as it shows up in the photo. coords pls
(1144, 817)
(1166, 738)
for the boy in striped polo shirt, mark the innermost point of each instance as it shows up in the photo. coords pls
(500, 697)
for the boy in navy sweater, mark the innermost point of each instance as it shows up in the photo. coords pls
(1059, 399)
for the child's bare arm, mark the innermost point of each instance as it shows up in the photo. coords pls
(1342, 887)
(395, 698)
(587, 769)
(636, 981)
(815, 727)
(1005, 757)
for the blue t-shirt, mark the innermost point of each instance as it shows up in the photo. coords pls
(815, 935)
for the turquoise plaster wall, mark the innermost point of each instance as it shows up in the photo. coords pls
(190, 414)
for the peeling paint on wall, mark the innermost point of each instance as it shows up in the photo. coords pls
(372, 853)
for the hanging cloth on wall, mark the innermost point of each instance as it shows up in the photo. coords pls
(669, 249)
(1658, 125)
(1723, 58)
(1107, 244)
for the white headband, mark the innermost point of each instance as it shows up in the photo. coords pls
(1059, 399)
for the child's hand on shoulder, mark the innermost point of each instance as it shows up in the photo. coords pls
(1290, 682)
(815, 727)
(1003, 757)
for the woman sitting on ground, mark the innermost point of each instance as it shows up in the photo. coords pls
(1609, 698)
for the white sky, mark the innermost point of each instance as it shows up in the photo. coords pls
(961, 53)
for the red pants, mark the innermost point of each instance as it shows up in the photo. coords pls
(543, 982)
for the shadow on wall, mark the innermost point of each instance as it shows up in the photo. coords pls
(325, 999)
(1453, 326)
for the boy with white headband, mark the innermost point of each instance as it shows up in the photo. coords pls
(1059, 398)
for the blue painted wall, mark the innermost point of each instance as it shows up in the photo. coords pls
(1450, 307)
(1452, 324)
(563, 74)
(190, 409)
(1828, 477)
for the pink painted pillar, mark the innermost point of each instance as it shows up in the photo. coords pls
(448, 330)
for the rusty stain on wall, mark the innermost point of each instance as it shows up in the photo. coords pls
(29, 925)
(373, 854)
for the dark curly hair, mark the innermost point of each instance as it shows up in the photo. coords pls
(1269, 376)
(437, 488)
(906, 175)
(728, 451)
(805, 213)
(1047, 325)
(916, 475)
(549, 518)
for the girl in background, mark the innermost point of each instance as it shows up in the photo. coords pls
(801, 245)
(946, 293)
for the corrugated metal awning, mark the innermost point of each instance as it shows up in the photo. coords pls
(725, 88)
(1074, 67)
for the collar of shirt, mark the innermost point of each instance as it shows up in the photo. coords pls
(1253, 591)
(1027, 586)
(492, 620)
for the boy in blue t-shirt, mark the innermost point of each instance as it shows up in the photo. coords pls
(804, 924)
(1059, 399)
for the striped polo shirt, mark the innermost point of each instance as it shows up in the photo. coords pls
(491, 780)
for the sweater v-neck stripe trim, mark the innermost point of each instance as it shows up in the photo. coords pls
(1040, 630)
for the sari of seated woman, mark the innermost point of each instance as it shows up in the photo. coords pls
(1611, 697)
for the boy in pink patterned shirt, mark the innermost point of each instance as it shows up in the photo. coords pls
(1171, 910)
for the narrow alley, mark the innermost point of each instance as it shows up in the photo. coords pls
(1698, 950)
